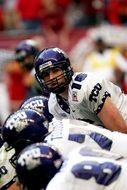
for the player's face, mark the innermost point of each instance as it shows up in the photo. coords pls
(53, 74)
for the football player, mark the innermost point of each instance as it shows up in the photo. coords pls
(40, 166)
(36, 166)
(20, 129)
(40, 104)
(94, 169)
(82, 96)
(25, 53)
(70, 134)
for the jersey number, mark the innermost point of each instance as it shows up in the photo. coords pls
(79, 78)
(104, 173)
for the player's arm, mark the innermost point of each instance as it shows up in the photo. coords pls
(111, 117)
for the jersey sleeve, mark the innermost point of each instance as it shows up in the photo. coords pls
(96, 90)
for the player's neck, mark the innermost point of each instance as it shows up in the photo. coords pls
(65, 94)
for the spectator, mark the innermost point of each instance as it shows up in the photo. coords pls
(93, 12)
(1, 18)
(54, 14)
(5, 57)
(109, 62)
(100, 60)
(120, 69)
(117, 12)
(9, 15)
(54, 19)
(29, 14)
(15, 85)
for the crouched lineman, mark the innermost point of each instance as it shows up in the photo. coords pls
(20, 129)
(69, 134)
(94, 169)
(41, 166)
(74, 134)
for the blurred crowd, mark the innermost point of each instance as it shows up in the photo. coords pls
(56, 19)
(54, 15)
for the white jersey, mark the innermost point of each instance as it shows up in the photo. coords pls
(69, 134)
(91, 169)
(54, 123)
(7, 171)
(86, 96)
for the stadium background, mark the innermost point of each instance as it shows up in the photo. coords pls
(72, 25)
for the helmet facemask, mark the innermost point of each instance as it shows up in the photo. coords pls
(54, 85)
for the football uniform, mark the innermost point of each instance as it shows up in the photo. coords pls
(7, 170)
(69, 134)
(86, 97)
(54, 123)
(92, 169)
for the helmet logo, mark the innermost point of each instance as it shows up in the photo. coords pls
(19, 119)
(43, 66)
(30, 158)
(60, 51)
(37, 105)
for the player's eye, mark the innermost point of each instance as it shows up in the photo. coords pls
(45, 74)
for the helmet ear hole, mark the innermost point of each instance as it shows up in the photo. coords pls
(53, 58)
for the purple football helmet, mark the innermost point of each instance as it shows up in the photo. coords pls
(25, 49)
(24, 127)
(53, 58)
(36, 166)
(40, 104)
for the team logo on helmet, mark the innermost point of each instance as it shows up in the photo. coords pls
(39, 104)
(30, 158)
(60, 51)
(19, 122)
(45, 65)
